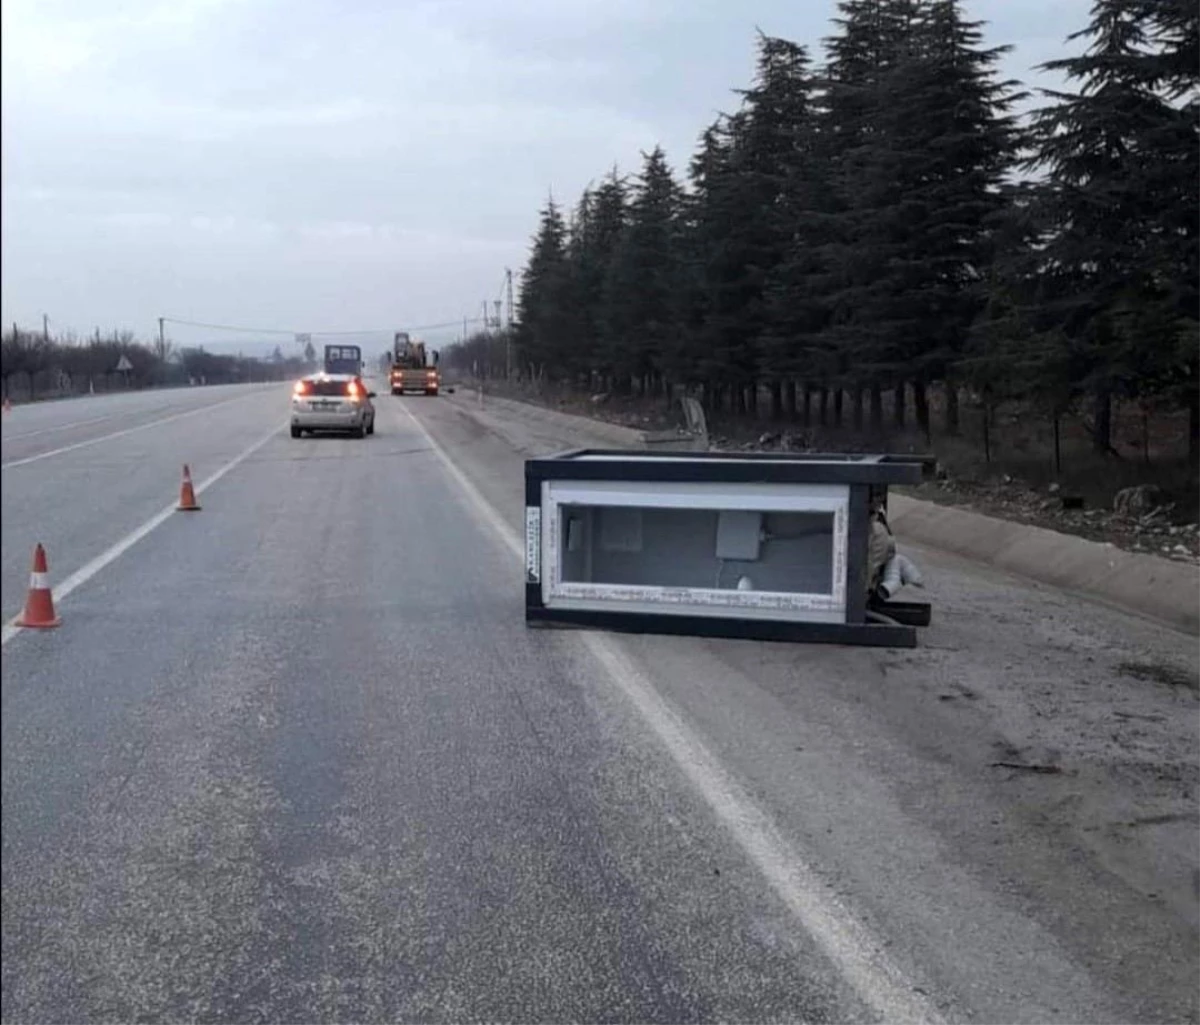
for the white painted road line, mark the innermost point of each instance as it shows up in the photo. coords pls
(850, 947)
(120, 434)
(53, 430)
(84, 574)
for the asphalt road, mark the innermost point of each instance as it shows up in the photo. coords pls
(296, 757)
(79, 475)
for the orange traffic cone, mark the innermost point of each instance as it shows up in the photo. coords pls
(39, 604)
(187, 496)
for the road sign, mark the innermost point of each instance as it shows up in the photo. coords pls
(123, 364)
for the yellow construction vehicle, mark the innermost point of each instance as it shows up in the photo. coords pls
(413, 369)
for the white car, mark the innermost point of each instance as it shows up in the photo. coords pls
(332, 402)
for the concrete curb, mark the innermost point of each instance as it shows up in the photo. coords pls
(1160, 589)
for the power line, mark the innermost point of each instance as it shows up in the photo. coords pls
(387, 330)
(227, 327)
(437, 327)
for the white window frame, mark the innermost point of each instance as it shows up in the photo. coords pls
(766, 498)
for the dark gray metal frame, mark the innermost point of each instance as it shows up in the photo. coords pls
(868, 477)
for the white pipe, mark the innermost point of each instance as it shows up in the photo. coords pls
(898, 571)
(890, 582)
(909, 573)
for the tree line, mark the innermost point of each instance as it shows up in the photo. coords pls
(35, 365)
(884, 223)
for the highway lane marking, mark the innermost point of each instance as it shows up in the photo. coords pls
(122, 433)
(849, 945)
(85, 573)
(60, 427)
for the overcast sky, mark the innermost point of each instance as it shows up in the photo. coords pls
(335, 166)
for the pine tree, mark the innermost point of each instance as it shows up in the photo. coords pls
(599, 226)
(725, 219)
(752, 205)
(954, 142)
(699, 237)
(1173, 27)
(796, 190)
(1173, 66)
(737, 230)
(644, 279)
(856, 230)
(862, 337)
(543, 335)
(581, 326)
(1116, 206)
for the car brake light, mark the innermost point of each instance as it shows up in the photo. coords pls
(301, 388)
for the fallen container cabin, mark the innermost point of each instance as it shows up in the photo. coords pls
(755, 545)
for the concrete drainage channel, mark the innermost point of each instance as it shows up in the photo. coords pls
(1145, 585)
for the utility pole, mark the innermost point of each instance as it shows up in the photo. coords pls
(464, 328)
(508, 294)
(45, 328)
(487, 323)
(496, 303)
(162, 345)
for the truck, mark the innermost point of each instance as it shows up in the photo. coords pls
(343, 359)
(413, 368)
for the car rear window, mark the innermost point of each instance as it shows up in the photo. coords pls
(328, 388)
